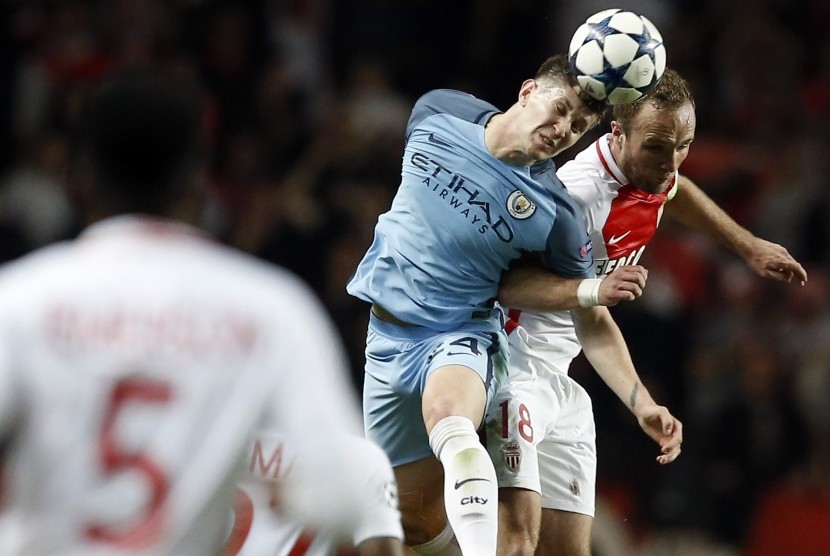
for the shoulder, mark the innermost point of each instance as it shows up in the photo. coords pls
(585, 166)
(452, 103)
(568, 250)
(27, 272)
(590, 175)
(444, 100)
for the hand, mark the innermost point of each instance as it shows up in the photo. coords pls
(770, 260)
(662, 427)
(625, 283)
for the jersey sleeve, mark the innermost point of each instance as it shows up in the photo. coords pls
(569, 250)
(317, 410)
(316, 395)
(455, 103)
(379, 513)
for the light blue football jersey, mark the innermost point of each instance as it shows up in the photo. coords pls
(458, 219)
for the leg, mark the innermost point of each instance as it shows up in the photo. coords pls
(541, 440)
(520, 513)
(421, 500)
(565, 534)
(423, 398)
(453, 403)
(421, 483)
(517, 419)
(393, 417)
(568, 463)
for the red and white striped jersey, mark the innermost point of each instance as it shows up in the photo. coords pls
(260, 529)
(621, 221)
(135, 365)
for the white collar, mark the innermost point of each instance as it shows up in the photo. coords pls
(607, 159)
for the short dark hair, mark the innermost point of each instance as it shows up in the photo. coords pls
(139, 134)
(671, 92)
(558, 68)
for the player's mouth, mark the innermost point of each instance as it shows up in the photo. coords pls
(548, 142)
(661, 183)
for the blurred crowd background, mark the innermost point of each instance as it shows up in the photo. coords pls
(308, 101)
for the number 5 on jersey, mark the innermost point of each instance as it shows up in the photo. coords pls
(114, 459)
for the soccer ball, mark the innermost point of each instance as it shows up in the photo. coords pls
(617, 56)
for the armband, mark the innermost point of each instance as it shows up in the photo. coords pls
(587, 293)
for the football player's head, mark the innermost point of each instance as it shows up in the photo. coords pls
(138, 136)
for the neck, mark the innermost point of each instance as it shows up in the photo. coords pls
(499, 141)
(616, 148)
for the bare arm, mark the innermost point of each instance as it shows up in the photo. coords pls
(532, 288)
(607, 352)
(693, 208)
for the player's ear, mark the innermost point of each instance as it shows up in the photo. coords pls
(525, 90)
(616, 129)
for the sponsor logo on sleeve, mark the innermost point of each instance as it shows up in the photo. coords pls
(585, 249)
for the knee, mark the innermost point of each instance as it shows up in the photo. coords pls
(453, 391)
(437, 408)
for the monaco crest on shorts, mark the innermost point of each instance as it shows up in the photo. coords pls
(512, 456)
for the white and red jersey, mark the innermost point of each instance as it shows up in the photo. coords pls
(260, 529)
(621, 221)
(135, 365)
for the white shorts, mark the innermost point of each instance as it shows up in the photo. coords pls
(541, 434)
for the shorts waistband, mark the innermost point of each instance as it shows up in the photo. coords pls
(386, 316)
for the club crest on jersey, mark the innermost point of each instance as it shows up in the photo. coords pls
(512, 456)
(519, 206)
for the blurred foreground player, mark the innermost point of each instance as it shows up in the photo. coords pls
(137, 361)
(258, 530)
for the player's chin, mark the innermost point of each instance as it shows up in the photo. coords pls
(655, 184)
(663, 183)
(545, 149)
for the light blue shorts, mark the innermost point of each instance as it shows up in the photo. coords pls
(398, 361)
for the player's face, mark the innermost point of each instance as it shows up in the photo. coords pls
(553, 119)
(655, 146)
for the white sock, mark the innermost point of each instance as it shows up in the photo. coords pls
(445, 544)
(470, 488)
